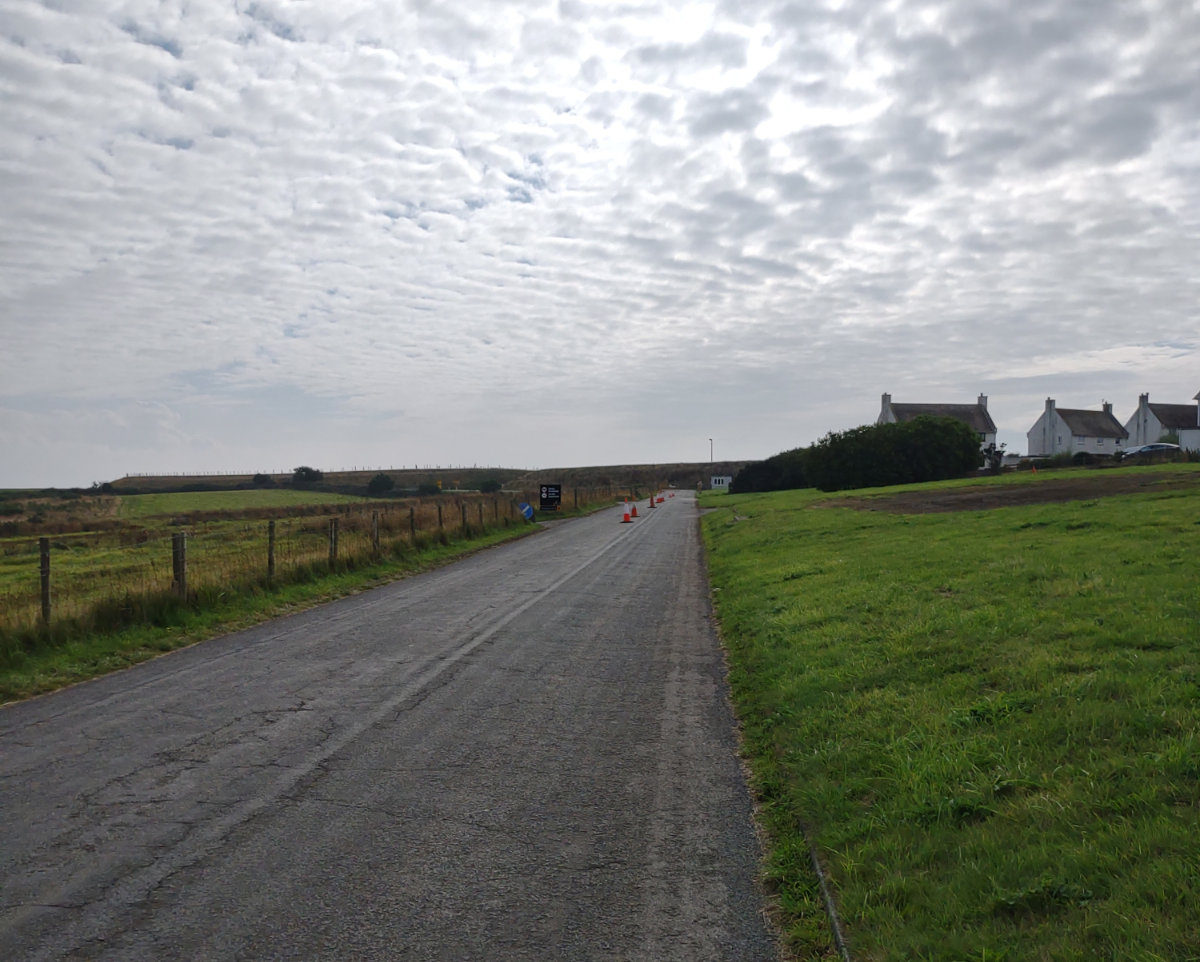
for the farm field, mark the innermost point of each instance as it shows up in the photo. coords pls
(138, 506)
(980, 704)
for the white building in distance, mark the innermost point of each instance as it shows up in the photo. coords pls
(1071, 430)
(1150, 422)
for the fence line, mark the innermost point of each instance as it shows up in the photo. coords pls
(74, 576)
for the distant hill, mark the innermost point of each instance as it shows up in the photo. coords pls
(683, 475)
(349, 482)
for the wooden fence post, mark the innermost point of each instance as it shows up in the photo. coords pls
(44, 552)
(412, 522)
(466, 528)
(480, 515)
(440, 524)
(333, 540)
(271, 550)
(179, 563)
(375, 531)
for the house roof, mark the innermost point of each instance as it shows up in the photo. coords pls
(1175, 415)
(974, 415)
(1092, 424)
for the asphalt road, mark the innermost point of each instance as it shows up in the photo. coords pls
(526, 755)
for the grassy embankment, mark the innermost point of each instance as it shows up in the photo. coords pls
(987, 722)
(112, 603)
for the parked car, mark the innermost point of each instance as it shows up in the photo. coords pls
(1149, 450)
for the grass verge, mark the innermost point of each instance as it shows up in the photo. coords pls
(987, 723)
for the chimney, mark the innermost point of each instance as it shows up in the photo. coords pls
(1107, 405)
(1049, 404)
(982, 402)
(1143, 400)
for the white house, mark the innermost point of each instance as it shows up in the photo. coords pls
(974, 415)
(1151, 421)
(721, 482)
(1070, 430)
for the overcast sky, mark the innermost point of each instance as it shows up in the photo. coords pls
(246, 236)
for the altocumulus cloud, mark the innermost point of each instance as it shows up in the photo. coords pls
(251, 235)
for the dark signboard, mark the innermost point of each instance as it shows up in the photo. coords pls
(551, 497)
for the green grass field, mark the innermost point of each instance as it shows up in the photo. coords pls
(986, 722)
(138, 506)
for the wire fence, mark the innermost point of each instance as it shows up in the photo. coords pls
(80, 577)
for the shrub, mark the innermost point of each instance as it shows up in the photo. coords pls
(779, 472)
(923, 449)
(426, 488)
(263, 480)
(490, 486)
(380, 484)
(306, 475)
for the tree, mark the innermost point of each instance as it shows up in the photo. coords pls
(306, 475)
(428, 488)
(490, 486)
(263, 480)
(380, 484)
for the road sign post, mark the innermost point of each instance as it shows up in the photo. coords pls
(550, 497)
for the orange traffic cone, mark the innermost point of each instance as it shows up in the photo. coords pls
(626, 519)
(633, 511)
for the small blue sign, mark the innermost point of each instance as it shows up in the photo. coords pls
(526, 509)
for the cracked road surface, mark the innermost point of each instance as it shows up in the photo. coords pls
(526, 755)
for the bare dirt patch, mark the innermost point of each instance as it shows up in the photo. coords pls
(1086, 487)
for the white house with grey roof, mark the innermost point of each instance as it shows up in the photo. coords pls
(974, 415)
(1071, 430)
(1150, 422)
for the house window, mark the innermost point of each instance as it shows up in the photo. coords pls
(1099, 442)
